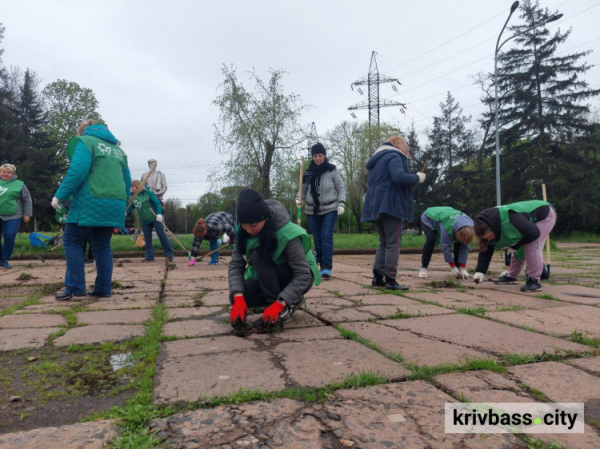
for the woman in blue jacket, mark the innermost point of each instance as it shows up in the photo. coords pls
(388, 201)
(98, 178)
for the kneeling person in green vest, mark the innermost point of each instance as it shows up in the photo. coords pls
(522, 229)
(455, 231)
(272, 265)
(150, 211)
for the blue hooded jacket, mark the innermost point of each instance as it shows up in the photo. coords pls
(85, 209)
(389, 186)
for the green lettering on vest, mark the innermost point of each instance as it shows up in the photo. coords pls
(509, 235)
(105, 179)
(143, 206)
(9, 195)
(446, 215)
(287, 232)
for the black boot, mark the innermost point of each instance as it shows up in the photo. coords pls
(391, 284)
(377, 279)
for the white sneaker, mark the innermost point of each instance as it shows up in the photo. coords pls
(423, 273)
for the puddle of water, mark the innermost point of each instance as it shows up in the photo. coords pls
(122, 360)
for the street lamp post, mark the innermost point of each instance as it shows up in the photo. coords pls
(514, 6)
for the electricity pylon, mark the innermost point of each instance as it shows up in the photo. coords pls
(373, 104)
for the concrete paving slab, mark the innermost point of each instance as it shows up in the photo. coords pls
(218, 374)
(31, 320)
(561, 321)
(183, 287)
(413, 348)
(89, 435)
(210, 345)
(489, 387)
(407, 414)
(11, 339)
(484, 335)
(115, 317)
(44, 308)
(318, 363)
(384, 299)
(214, 298)
(344, 315)
(302, 319)
(417, 309)
(319, 292)
(299, 335)
(345, 288)
(192, 312)
(551, 379)
(591, 365)
(578, 294)
(100, 333)
(197, 328)
(121, 304)
(360, 422)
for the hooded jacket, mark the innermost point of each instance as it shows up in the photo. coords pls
(389, 184)
(294, 254)
(446, 240)
(87, 210)
(519, 220)
(24, 204)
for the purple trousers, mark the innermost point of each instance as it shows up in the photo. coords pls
(534, 251)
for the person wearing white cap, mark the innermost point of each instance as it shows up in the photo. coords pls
(156, 182)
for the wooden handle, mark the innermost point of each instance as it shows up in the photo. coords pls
(143, 187)
(299, 220)
(548, 236)
(422, 171)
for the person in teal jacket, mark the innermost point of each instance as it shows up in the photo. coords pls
(150, 211)
(99, 181)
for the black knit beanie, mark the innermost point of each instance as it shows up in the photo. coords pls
(251, 207)
(318, 148)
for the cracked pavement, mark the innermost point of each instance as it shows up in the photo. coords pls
(393, 336)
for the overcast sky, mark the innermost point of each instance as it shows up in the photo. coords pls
(155, 66)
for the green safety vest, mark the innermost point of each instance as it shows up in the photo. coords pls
(61, 214)
(446, 215)
(9, 195)
(105, 179)
(509, 235)
(143, 206)
(287, 232)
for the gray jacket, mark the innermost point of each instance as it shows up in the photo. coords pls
(294, 254)
(332, 193)
(24, 205)
(157, 183)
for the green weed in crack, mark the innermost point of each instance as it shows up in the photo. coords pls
(399, 314)
(578, 337)
(546, 296)
(475, 311)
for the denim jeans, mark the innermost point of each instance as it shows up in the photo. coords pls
(8, 229)
(162, 236)
(74, 238)
(322, 227)
(212, 245)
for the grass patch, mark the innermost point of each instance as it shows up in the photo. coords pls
(336, 293)
(197, 298)
(546, 296)
(509, 309)
(25, 277)
(524, 359)
(578, 337)
(399, 314)
(475, 311)
(446, 283)
(32, 300)
(534, 443)
(535, 394)
(595, 423)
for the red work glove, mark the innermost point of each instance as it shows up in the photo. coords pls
(271, 313)
(238, 310)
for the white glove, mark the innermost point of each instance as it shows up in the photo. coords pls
(455, 271)
(421, 176)
(55, 203)
(464, 273)
(341, 210)
(510, 250)
(192, 262)
(478, 277)
(299, 203)
(159, 218)
(504, 273)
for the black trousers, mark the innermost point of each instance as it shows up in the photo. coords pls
(272, 279)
